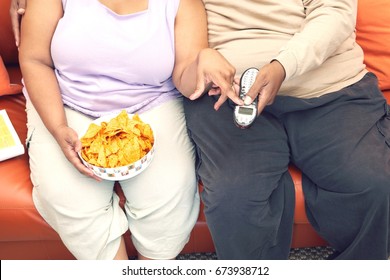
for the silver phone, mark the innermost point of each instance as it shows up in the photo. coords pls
(245, 115)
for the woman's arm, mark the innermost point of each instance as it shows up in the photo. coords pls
(37, 29)
(38, 25)
(196, 65)
(190, 39)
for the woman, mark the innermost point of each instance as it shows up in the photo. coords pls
(84, 59)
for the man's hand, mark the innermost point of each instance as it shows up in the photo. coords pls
(216, 76)
(16, 11)
(266, 86)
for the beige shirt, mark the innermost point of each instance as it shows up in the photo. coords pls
(313, 39)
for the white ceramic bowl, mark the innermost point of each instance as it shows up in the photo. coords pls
(122, 172)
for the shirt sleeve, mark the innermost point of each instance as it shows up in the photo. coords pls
(327, 25)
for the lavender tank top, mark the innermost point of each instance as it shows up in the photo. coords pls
(106, 62)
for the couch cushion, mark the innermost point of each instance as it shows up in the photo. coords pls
(6, 87)
(20, 221)
(373, 35)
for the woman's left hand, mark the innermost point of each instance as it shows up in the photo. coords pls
(70, 145)
(214, 70)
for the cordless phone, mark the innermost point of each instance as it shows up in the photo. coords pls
(244, 115)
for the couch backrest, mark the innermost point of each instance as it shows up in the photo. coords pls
(373, 35)
(8, 49)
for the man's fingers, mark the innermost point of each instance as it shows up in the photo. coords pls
(248, 100)
(253, 93)
(262, 102)
(265, 98)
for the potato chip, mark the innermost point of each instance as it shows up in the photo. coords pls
(119, 142)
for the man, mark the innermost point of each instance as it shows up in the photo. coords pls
(318, 108)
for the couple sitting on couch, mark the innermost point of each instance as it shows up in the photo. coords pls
(318, 107)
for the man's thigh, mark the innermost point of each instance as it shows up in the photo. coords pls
(230, 156)
(341, 140)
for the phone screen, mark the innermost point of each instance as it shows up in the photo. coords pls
(245, 110)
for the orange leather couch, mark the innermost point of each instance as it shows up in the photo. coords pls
(25, 235)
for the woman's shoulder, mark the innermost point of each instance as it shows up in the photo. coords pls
(165, 3)
(165, 6)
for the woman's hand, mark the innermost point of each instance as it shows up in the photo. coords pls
(215, 75)
(16, 11)
(266, 86)
(70, 145)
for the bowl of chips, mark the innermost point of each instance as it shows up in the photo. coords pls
(117, 147)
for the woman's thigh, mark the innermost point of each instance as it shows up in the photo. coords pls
(51, 171)
(162, 202)
(80, 209)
